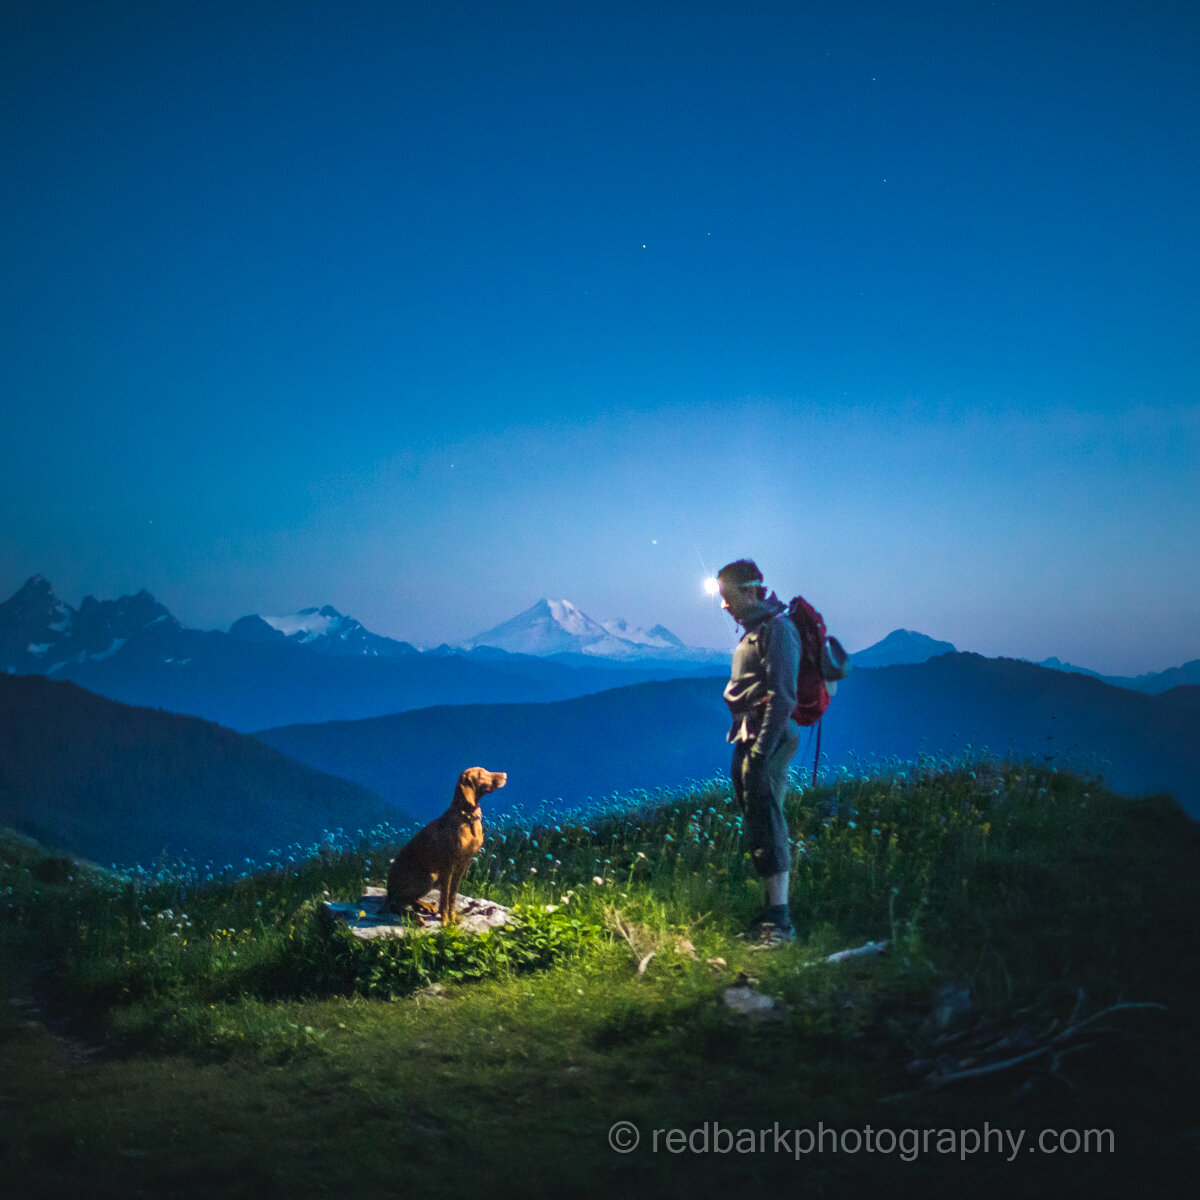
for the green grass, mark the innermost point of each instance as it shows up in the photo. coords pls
(244, 1052)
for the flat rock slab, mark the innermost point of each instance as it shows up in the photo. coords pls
(365, 921)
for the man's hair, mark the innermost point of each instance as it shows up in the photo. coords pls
(742, 572)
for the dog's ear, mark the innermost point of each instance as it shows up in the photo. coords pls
(465, 795)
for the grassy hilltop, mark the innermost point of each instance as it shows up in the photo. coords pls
(174, 1035)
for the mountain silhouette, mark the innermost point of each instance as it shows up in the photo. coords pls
(116, 783)
(662, 734)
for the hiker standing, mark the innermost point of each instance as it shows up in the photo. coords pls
(761, 695)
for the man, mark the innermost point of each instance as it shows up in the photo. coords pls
(761, 694)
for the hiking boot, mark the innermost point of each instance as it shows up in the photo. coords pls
(768, 916)
(754, 928)
(772, 936)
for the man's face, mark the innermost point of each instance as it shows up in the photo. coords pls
(738, 599)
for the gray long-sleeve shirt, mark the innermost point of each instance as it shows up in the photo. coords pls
(761, 691)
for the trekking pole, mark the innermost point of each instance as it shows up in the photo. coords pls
(817, 756)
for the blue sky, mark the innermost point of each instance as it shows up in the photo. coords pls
(426, 311)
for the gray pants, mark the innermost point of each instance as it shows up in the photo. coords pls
(759, 790)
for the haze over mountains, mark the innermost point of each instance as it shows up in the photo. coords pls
(310, 666)
(668, 732)
(318, 664)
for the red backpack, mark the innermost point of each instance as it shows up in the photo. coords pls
(822, 662)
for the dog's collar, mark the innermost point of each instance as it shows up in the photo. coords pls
(475, 814)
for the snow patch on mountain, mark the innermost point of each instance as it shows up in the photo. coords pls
(660, 638)
(310, 623)
(101, 655)
(569, 619)
(326, 631)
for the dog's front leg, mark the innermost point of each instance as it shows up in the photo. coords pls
(449, 894)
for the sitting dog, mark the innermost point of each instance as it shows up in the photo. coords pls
(443, 850)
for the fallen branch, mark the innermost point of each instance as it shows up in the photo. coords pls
(983, 1050)
(1071, 1030)
(858, 952)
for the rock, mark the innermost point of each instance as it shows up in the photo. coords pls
(364, 919)
(755, 1006)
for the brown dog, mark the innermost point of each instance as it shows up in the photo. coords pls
(443, 850)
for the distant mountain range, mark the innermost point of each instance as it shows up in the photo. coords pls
(318, 665)
(121, 784)
(903, 646)
(661, 734)
(315, 665)
(1154, 683)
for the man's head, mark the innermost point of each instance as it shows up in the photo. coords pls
(741, 586)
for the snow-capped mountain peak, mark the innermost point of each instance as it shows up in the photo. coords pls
(559, 627)
(310, 623)
(547, 627)
(326, 631)
(39, 632)
(660, 638)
